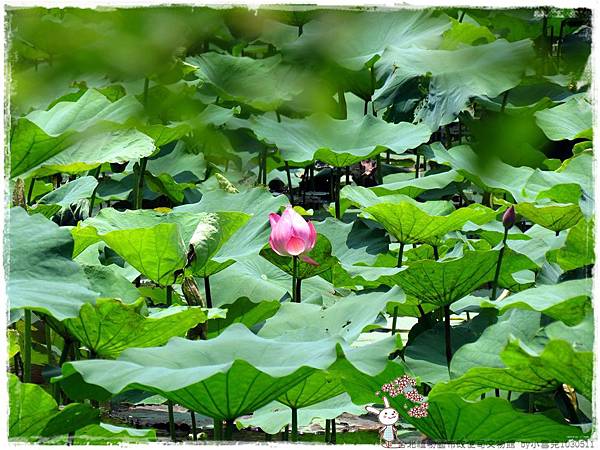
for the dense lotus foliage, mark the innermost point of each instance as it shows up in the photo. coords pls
(272, 218)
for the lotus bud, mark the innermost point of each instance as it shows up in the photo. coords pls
(508, 219)
(291, 235)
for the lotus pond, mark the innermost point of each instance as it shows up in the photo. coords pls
(259, 223)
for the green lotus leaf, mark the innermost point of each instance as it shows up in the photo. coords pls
(227, 224)
(489, 173)
(250, 238)
(33, 413)
(444, 282)
(362, 197)
(579, 336)
(337, 142)
(399, 184)
(179, 164)
(465, 33)
(569, 301)
(554, 216)
(245, 312)
(451, 419)
(485, 351)
(264, 84)
(233, 374)
(118, 187)
(321, 253)
(570, 120)
(259, 280)
(540, 242)
(578, 250)
(105, 434)
(154, 243)
(42, 135)
(346, 318)
(529, 371)
(492, 69)
(365, 35)
(165, 184)
(66, 195)
(572, 182)
(353, 243)
(110, 326)
(411, 225)
(109, 283)
(425, 356)
(272, 418)
(41, 275)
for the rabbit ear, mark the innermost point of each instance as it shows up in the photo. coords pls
(386, 402)
(372, 410)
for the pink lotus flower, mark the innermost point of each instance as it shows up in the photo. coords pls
(291, 235)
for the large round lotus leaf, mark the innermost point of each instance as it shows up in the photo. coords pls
(41, 274)
(321, 253)
(489, 173)
(243, 311)
(444, 282)
(66, 195)
(259, 280)
(485, 351)
(554, 216)
(571, 120)
(362, 197)
(425, 355)
(578, 249)
(346, 318)
(108, 281)
(110, 326)
(154, 243)
(264, 84)
(337, 142)
(273, 417)
(76, 136)
(413, 187)
(105, 434)
(34, 414)
(233, 374)
(411, 225)
(569, 301)
(250, 238)
(456, 75)
(452, 419)
(527, 370)
(356, 39)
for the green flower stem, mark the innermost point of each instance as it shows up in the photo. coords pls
(30, 191)
(294, 424)
(447, 328)
(498, 266)
(207, 292)
(48, 338)
(333, 437)
(289, 180)
(394, 320)
(139, 186)
(378, 171)
(194, 429)
(327, 432)
(217, 429)
(342, 103)
(295, 297)
(93, 198)
(169, 295)
(398, 264)
(27, 348)
(336, 190)
(286, 433)
(497, 392)
(171, 420)
(299, 290)
(417, 164)
(229, 430)
(268, 437)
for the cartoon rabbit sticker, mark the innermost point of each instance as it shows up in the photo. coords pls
(388, 417)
